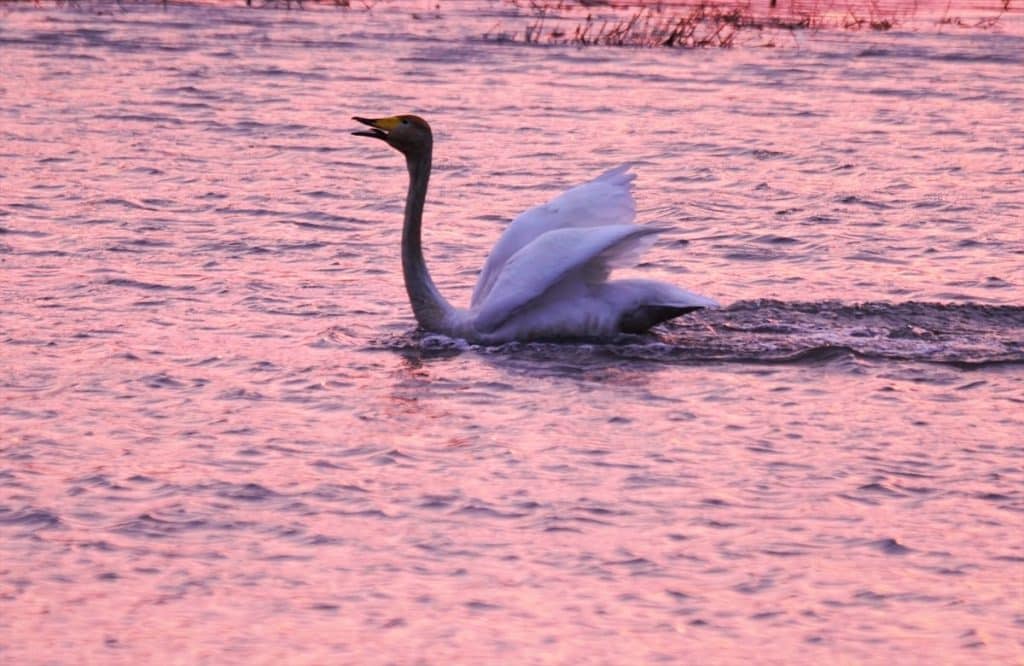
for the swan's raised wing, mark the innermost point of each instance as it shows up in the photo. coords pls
(605, 200)
(589, 253)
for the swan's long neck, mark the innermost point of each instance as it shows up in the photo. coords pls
(428, 305)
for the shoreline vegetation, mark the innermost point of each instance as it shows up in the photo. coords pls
(683, 24)
(718, 24)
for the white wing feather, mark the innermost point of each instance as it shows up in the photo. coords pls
(589, 254)
(605, 200)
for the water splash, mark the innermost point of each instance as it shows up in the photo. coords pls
(772, 331)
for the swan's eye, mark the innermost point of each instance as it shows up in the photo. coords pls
(405, 121)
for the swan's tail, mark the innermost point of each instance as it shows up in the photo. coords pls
(643, 317)
(646, 303)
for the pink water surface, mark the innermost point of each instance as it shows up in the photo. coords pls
(222, 441)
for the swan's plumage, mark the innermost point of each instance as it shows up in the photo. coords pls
(607, 199)
(547, 276)
(584, 255)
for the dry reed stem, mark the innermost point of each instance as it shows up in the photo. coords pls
(642, 23)
(702, 23)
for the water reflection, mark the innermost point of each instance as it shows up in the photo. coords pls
(221, 440)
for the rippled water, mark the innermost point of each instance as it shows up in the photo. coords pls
(222, 440)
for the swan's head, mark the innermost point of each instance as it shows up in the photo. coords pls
(406, 134)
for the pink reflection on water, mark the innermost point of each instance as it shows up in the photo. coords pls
(219, 443)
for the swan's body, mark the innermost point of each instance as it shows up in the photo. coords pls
(547, 276)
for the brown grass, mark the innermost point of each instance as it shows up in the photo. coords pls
(686, 24)
(702, 23)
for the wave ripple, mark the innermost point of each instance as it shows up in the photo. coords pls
(771, 331)
(779, 331)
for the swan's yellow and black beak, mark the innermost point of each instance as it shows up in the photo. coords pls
(379, 127)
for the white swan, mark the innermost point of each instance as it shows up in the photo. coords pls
(547, 276)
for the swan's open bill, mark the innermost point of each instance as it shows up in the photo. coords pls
(547, 276)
